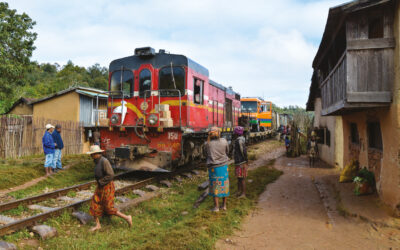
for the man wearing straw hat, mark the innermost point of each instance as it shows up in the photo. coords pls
(48, 148)
(103, 197)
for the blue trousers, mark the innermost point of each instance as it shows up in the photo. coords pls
(57, 159)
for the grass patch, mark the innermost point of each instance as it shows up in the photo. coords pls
(160, 224)
(254, 151)
(80, 171)
(14, 172)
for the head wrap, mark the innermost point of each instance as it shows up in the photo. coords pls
(238, 130)
(214, 132)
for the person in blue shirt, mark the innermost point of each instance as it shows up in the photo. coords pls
(48, 148)
(59, 146)
(287, 143)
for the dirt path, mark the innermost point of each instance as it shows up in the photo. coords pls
(28, 184)
(291, 215)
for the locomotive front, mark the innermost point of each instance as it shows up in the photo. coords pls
(146, 108)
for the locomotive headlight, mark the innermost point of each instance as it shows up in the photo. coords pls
(153, 119)
(114, 119)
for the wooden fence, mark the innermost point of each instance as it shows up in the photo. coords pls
(22, 136)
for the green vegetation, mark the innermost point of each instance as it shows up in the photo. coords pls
(14, 172)
(159, 223)
(19, 77)
(80, 171)
(16, 48)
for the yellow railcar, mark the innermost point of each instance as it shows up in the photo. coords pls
(256, 113)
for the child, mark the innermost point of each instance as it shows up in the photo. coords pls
(240, 157)
(287, 143)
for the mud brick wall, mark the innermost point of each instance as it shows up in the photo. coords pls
(374, 162)
(354, 151)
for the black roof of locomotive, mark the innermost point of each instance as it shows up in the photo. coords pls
(158, 60)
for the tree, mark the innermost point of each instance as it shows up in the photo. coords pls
(16, 47)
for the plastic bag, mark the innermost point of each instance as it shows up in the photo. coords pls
(349, 172)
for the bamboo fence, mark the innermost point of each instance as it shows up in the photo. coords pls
(22, 136)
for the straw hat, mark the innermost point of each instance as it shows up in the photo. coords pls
(94, 149)
(49, 126)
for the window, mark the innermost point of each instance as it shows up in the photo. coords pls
(327, 137)
(249, 107)
(171, 80)
(121, 83)
(375, 28)
(321, 136)
(374, 135)
(198, 86)
(144, 82)
(354, 133)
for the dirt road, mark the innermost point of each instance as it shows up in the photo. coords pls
(292, 214)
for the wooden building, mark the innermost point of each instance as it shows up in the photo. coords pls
(354, 91)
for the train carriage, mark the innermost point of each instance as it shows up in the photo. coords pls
(160, 108)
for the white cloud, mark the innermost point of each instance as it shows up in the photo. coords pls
(261, 48)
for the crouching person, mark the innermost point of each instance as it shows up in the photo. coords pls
(240, 157)
(217, 150)
(103, 197)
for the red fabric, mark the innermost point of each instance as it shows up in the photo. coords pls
(241, 171)
(103, 201)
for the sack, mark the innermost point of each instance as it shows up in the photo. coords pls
(349, 172)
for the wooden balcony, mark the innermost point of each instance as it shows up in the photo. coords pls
(361, 79)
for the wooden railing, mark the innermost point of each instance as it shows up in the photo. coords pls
(333, 88)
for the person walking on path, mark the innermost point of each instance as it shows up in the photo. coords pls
(48, 148)
(240, 158)
(103, 198)
(57, 165)
(217, 150)
(312, 148)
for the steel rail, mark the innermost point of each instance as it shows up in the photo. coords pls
(53, 194)
(30, 221)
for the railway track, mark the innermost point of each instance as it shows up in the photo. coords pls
(18, 224)
(145, 178)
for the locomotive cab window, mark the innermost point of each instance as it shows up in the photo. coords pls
(198, 86)
(171, 80)
(121, 83)
(144, 83)
(249, 107)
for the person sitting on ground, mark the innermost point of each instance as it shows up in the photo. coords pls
(48, 148)
(103, 198)
(240, 157)
(217, 150)
(312, 149)
(57, 165)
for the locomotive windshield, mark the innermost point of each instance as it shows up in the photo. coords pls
(121, 83)
(250, 107)
(169, 82)
(144, 82)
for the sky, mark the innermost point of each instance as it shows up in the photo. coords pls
(259, 47)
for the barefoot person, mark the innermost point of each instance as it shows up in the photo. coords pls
(103, 198)
(240, 157)
(217, 151)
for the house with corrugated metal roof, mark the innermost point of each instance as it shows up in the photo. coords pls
(80, 104)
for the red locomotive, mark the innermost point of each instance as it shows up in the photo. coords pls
(160, 108)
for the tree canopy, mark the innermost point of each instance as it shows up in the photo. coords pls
(16, 46)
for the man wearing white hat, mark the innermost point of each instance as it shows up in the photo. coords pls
(103, 197)
(48, 148)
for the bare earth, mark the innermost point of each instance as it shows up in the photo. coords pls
(293, 214)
